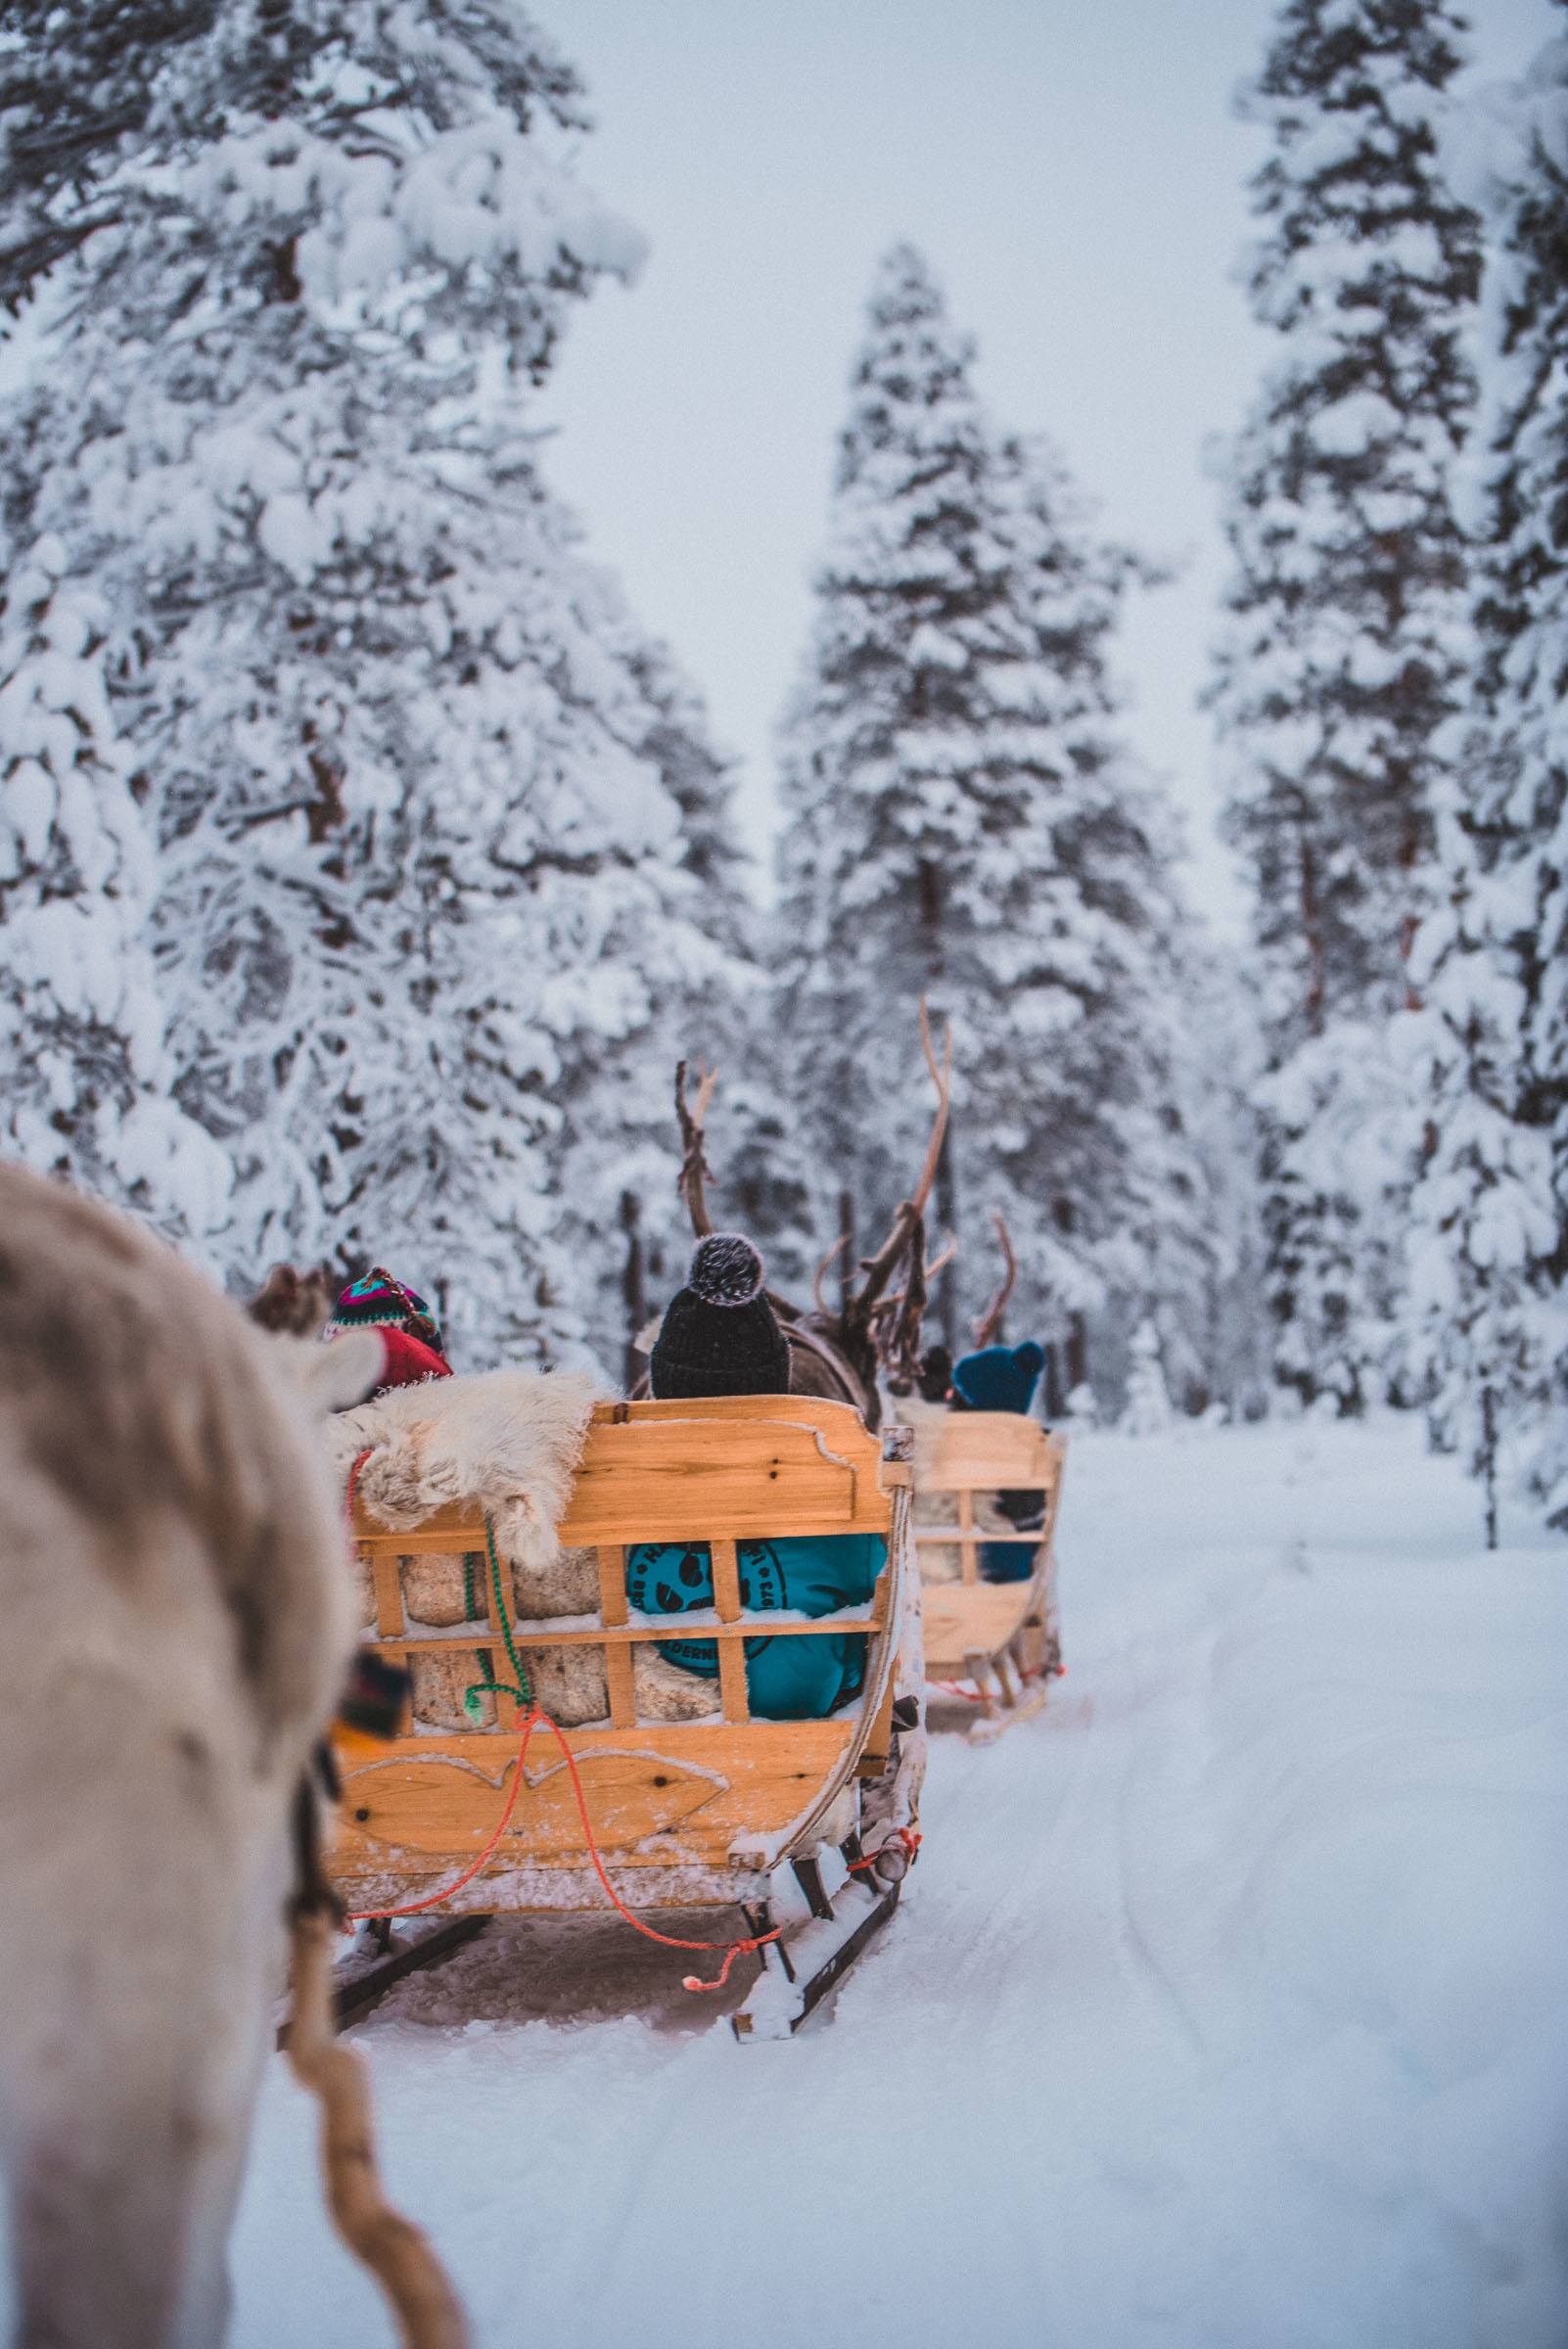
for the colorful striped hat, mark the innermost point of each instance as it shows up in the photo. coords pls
(378, 1301)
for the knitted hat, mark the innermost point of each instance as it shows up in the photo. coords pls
(719, 1336)
(1000, 1378)
(378, 1301)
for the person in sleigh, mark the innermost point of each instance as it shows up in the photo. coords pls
(719, 1337)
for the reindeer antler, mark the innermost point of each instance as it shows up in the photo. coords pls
(897, 1323)
(909, 1224)
(988, 1329)
(837, 1249)
(941, 1079)
(695, 1174)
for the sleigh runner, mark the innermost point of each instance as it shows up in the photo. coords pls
(719, 1811)
(1001, 1636)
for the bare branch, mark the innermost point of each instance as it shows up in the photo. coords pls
(695, 1174)
(988, 1329)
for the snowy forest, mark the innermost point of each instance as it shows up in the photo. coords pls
(367, 866)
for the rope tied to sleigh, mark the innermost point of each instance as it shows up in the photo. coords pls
(399, 2254)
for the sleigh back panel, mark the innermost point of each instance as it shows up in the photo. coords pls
(966, 1458)
(683, 1812)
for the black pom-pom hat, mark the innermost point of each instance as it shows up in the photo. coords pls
(719, 1336)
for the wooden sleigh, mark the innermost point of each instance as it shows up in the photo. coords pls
(719, 1813)
(1001, 1636)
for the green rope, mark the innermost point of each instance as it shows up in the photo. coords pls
(523, 1691)
(470, 1595)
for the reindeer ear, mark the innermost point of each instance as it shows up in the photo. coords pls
(334, 1377)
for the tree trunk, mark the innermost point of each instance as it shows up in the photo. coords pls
(945, 1189)
(845, 1252)
(1077, 1353)
(633, 1287)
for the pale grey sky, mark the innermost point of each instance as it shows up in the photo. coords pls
(1074, 171)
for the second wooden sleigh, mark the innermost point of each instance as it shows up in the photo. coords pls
(1000, 1636)
(722, 1812)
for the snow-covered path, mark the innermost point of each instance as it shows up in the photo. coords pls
(1225, 2010)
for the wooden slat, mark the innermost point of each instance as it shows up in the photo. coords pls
(961, 1617)
(612, 1581)
(772, 1479)
(732, 1677)
(937, 1534)
(618, 1681)
(389, 1617)
(987, 1451)
(969, 1564)
(731, 1650)
(703, 1625)
(622, 1686)
(726, 1581)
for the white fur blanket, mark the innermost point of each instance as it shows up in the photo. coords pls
(510, 1439)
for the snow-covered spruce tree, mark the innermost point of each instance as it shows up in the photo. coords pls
(1344, 649)
(1491, 1292)
(962, 824)
(421, 879)
(82, 83)
(84, 1078)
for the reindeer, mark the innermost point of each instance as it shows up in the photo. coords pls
(837, 1354)
(177, 1618)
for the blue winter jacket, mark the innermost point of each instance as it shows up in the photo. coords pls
(799, 1677)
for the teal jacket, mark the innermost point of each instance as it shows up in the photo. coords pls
(799, 1678)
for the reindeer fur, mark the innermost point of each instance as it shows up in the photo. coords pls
(175, 1622)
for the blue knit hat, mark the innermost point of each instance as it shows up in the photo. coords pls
(1000, 1378)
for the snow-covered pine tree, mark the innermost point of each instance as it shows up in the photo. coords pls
(82, 82)
(963, 825)
(84, 1077)
(1346, 644)
(423, 887)
(1491, 1293)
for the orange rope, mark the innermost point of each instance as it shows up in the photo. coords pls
(541, 1718)
(970, 1696)
(910, 1838)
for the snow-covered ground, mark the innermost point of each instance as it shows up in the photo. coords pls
(1225, 2009)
